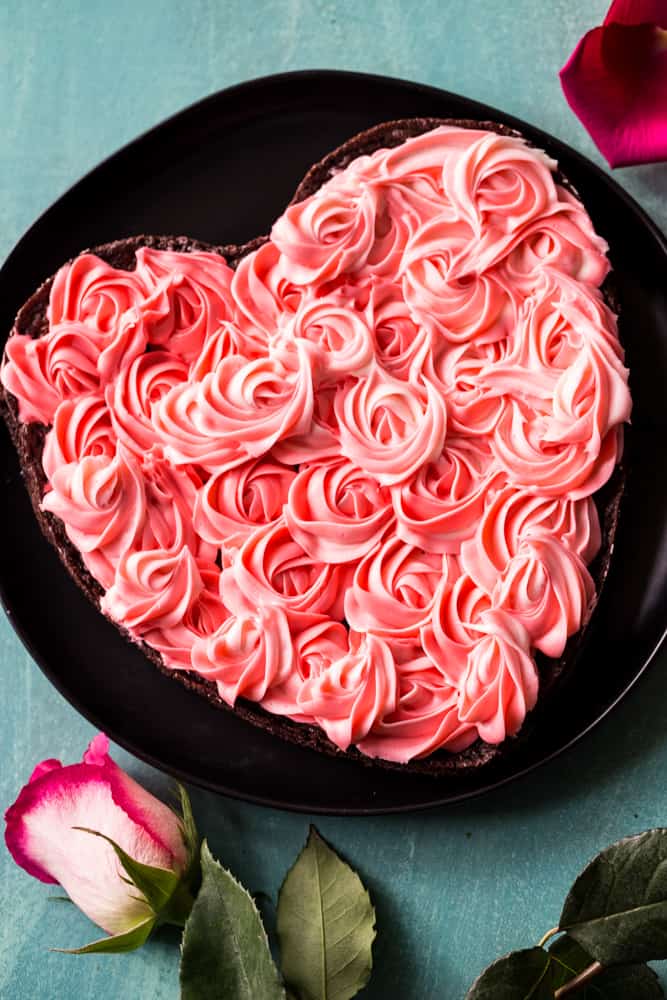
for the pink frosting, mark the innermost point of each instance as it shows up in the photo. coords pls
(272, 568)
(354, 692)
(189, 300)
(102, 503)
(393, 588)
(247, 654)
(204, 617)
(351, 480)
(81, 427)
(230, 505)
(389, 428)
(238, 411)
(336, 512)
(440, 507)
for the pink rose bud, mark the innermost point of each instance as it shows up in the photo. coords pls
(51, 834)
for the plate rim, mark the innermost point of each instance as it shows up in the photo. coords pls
(477, 109)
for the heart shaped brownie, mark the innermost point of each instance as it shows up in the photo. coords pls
(344, 478)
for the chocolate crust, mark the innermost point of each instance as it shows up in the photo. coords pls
(28, 439)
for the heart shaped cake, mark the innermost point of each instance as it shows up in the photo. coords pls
(347, 479)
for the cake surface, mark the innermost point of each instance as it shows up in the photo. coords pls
(350, 479)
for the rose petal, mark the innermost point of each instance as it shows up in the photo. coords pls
(616, 83)
(637, 12)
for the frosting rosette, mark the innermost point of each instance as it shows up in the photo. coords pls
(318, 641)
(328, 234)
(548, 589)
(355, 691)
(264, 292)
(153, 588)
(189, 299)
(246, 655)
(104, 300)
(101, 501)
(238, 411)
(336, 512)
(401, 347)
(393, 588)
(230, 505)
(425, 719)
(170, 501)
(566, 393)
(338, 333)
(499, 184)
(350, 474)
(134, 396)
(92, 292)
(272, 568)
(203, 617)
(81, 427)
(515, 515)
(439, 508)
(499, 684)
(42, 373)
(389, 428)
(444, 290)
(563, 242)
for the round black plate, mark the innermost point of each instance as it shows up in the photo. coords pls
(222, 171)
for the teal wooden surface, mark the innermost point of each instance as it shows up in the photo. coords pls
(456, 887)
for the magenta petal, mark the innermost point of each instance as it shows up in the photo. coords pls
(97, 751)
(44, 767)
(637, 12)
(616, 83)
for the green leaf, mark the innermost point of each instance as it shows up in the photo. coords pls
(190, 834)
(326, 925)
(637, 982)
(157, 885)
(116, 943)
(617, 908)
(225, 952)
(521, 975)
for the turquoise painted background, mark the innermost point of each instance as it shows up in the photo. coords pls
(456, 887)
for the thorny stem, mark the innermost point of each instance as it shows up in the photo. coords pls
(584, 977)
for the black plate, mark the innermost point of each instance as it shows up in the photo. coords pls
(222, 171)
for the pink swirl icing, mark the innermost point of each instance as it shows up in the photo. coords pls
(338, 333)
(189, 299)
(546, 588)
(232, 504)
(238, 411)
(440, 507)
(101, 501)
(336, 512)
(393, 589)
(351, 480)
(500, 681)
(204, 617)
(318, 642)
(153, 588)
(389, 428)
(515, 515)
(354, 692)
(136, 393)
(272, 568)
(81, 427)
(247, 655)
(329, 234)
(425, 719)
